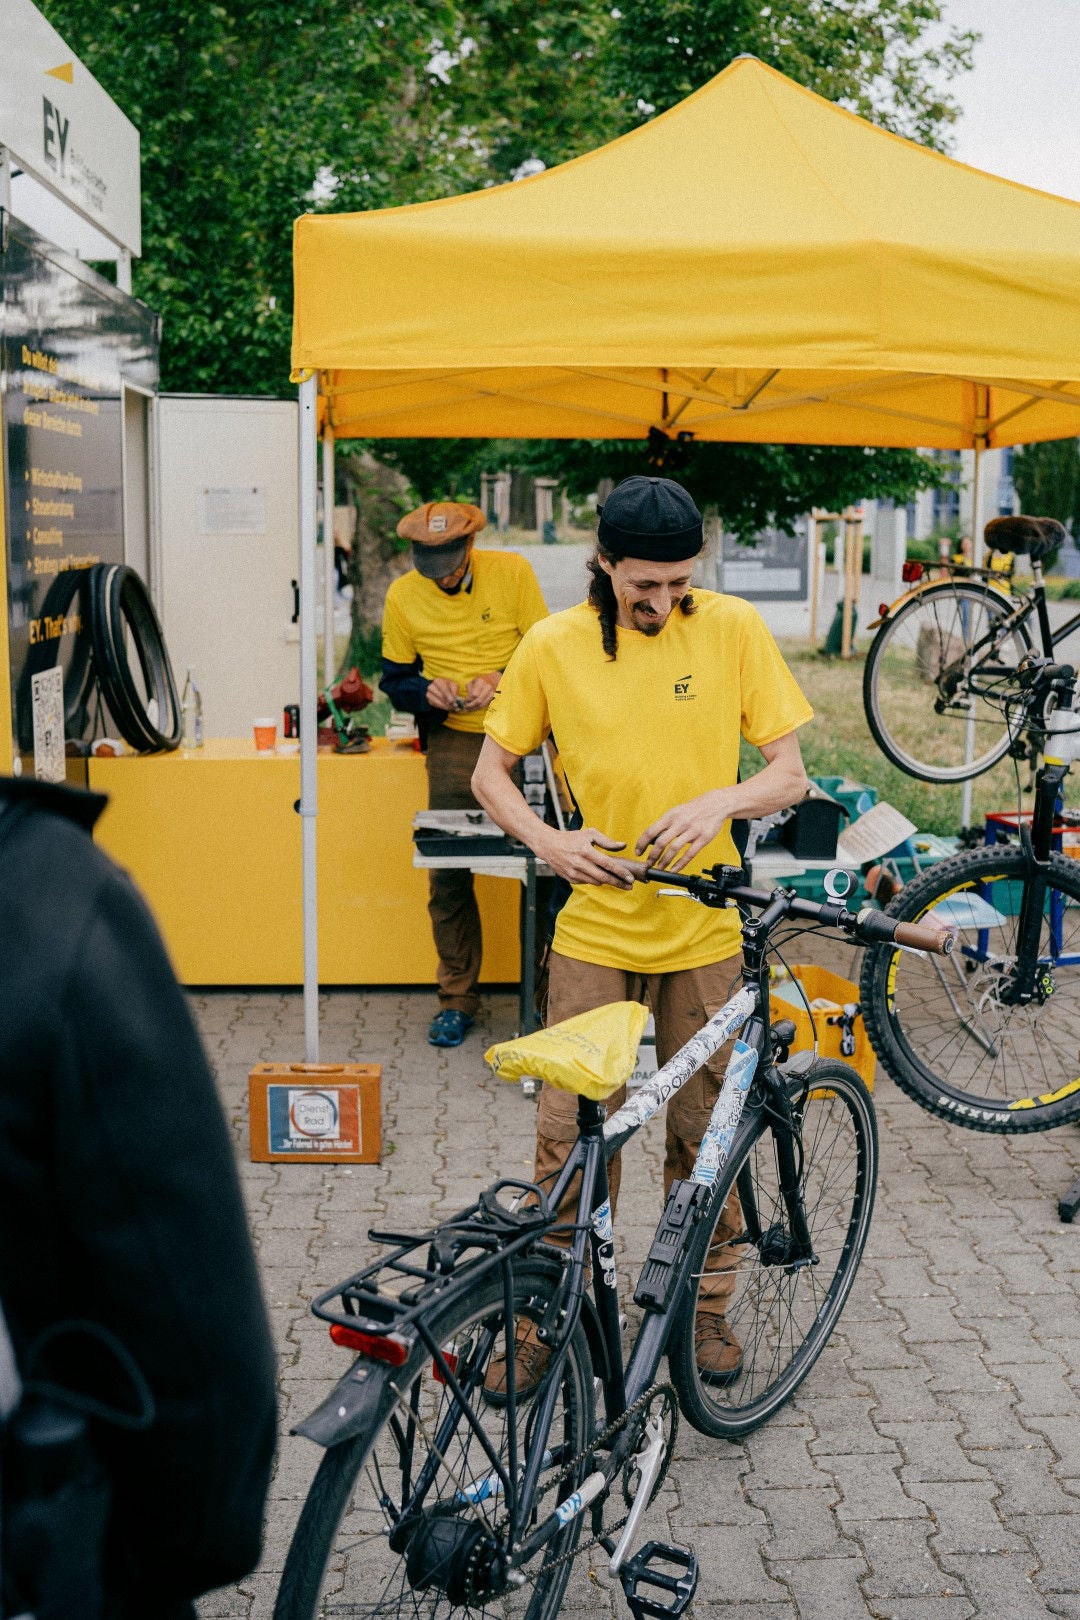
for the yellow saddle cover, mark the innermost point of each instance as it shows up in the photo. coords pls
(591, 1055)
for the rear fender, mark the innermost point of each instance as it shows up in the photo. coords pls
(356, 1404)
(924, 585)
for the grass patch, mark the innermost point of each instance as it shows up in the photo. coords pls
(837, 742)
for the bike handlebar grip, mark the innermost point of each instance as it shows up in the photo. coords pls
(877, 925)
(925, 937)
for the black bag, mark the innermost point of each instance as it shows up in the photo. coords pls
(55, 1492)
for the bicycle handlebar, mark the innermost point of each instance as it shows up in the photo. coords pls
(868, 925)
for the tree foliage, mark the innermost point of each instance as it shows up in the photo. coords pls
(1047, 479)
(253, 111)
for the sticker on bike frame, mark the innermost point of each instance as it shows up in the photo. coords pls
(605, 1242)
(727, 1111)
(573, 1505)
(687, 1061)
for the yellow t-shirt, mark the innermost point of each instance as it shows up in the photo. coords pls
(470, 633)
(656, 727)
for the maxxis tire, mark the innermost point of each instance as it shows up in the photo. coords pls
(760, 1279)
(882, 640)
(885, 1029)
(305, 1565)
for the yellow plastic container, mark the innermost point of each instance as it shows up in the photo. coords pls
(827, 994)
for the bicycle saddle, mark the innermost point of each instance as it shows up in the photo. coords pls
(591, 1055)
(1030, 537)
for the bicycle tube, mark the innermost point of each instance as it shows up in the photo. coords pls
(119, 602)
(924, 647)
(953, 1033)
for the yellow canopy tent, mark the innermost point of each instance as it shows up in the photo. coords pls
(756, 264)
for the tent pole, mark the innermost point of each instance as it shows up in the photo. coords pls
(309, 761)
(977, 558)
(329, 640)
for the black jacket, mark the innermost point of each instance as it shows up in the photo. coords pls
(119, 1202)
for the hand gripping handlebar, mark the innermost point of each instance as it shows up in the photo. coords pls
(725, 884)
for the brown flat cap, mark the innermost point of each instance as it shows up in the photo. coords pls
(440, 532)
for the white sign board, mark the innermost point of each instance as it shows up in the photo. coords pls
(60, 126)
(232, 509)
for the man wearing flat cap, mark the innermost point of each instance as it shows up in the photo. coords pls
(648, 687)
(450, 626)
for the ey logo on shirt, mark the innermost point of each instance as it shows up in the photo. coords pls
(683, 693)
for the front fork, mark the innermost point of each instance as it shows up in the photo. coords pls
(1025, 984)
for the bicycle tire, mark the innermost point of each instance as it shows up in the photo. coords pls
(344, 1496)
(929, 1026)
(908, 657)
(783, 1318)
(120, 605)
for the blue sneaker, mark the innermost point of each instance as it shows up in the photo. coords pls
(449, 1027)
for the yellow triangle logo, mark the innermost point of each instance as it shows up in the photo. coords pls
(65, 71)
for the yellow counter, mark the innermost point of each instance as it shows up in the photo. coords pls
(212, 839)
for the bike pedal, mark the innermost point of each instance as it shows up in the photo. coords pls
(659, 1581)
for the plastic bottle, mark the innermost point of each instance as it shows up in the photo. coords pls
(191, 714)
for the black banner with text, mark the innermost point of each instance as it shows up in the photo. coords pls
(69, 342)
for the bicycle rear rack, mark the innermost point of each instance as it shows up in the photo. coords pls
(389, 1296)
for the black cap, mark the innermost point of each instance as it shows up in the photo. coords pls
(651, 518)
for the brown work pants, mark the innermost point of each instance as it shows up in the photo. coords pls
(681, 1003)
(455, 915)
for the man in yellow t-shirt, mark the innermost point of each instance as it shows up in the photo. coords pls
(450, 626)
(647, 688)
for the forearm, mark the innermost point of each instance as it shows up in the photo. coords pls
(498, 794)
(778, 785)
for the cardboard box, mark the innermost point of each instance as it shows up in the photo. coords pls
(315, 1113)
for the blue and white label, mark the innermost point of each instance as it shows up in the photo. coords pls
(727, 1111)
(605, 1243)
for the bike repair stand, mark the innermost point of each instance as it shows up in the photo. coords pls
(998, 822)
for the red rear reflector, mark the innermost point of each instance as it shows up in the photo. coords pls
(437, 1372)
(911, 571)
(882, 609)
(375, 1345)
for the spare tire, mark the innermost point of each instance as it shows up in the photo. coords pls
(119, 602)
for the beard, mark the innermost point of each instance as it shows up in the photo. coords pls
(646, 621)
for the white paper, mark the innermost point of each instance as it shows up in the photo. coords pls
(47, 704)
(873, 835)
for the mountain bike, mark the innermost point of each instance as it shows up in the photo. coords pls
(940, 683)
(991, 1038)
(444, 1491)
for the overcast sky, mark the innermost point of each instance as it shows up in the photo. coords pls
(1020, 100)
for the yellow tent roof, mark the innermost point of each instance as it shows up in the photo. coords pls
(756, 264)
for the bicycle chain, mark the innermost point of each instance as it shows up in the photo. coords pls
(600, 1442)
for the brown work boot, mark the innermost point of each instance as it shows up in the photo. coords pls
(531, 1360)
(717, 1350)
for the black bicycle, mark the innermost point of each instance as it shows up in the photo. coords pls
(465, 1456)
(940, 684)
(991, 1037)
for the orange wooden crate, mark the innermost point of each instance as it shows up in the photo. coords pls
(315, 1113)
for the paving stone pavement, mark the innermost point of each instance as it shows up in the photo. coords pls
(930, 1466)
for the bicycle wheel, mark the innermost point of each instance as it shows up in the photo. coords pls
(781, 1313)
(353, 1553)
(936, 709)
(943, 1026)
